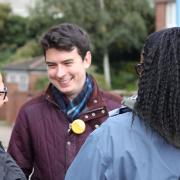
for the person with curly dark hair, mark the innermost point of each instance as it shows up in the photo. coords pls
(143, 144)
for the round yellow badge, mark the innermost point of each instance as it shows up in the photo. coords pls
(78, 126)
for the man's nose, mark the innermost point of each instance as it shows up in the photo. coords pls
(61, 71)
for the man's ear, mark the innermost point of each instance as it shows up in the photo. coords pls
(87, 60)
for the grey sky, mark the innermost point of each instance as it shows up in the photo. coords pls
(19, 6)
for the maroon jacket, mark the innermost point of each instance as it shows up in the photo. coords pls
(41, 141)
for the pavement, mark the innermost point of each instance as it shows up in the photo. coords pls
(5, 133)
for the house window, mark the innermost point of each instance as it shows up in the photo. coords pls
(11, 77)
(19, 78)
(171, 14)
(23, 82)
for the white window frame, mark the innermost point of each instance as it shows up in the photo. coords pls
(171, 14)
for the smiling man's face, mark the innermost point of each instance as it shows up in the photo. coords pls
(67, 70)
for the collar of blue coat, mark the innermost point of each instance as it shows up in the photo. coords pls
(129, 101)
(127, 105)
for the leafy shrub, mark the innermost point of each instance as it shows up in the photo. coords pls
(99, 77)
(29, 50)
(124, 77)
(41, 83)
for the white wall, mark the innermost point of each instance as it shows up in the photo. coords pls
(171, 14)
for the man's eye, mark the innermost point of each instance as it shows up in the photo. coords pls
(51, 65)
(68, 63)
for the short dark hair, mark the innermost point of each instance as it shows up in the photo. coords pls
(66, 37)
(158, 102)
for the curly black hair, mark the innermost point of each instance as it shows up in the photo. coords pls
(158, 102)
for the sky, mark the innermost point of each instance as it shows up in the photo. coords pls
(19, 6)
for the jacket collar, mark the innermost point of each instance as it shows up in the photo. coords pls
(95, 107)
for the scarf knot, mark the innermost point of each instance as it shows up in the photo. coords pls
(73, 108)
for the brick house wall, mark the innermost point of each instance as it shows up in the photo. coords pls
(17, 99)
(160, 14)
(17, 93)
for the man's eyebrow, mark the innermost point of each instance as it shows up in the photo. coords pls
(67, 60)
(64, 61)
(49, 62)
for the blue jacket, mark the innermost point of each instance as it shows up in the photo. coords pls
(122, 150)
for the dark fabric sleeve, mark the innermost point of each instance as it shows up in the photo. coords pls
(9, 170)
(20, 147)
(12, 170)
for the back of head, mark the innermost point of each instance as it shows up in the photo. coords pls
(66, 37)
(159, 85)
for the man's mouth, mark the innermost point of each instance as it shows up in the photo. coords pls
(65, 82)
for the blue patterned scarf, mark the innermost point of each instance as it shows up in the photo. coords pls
(74, 107)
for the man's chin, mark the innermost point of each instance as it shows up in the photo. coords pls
(66, 91)
(63, 89)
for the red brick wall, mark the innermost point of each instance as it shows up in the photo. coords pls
(33, 79)
(160, 13)
(18, 98)
(3, 112)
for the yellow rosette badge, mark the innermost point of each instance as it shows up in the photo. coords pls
(78, 126)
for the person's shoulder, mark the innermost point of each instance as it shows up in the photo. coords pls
(111, 96)
(115, 124)
(34, 102)
(117, 130)
(111, 100)
(120, 120)
(31, 111)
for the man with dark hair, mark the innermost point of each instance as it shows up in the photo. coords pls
(51, 128)
(143, 144)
